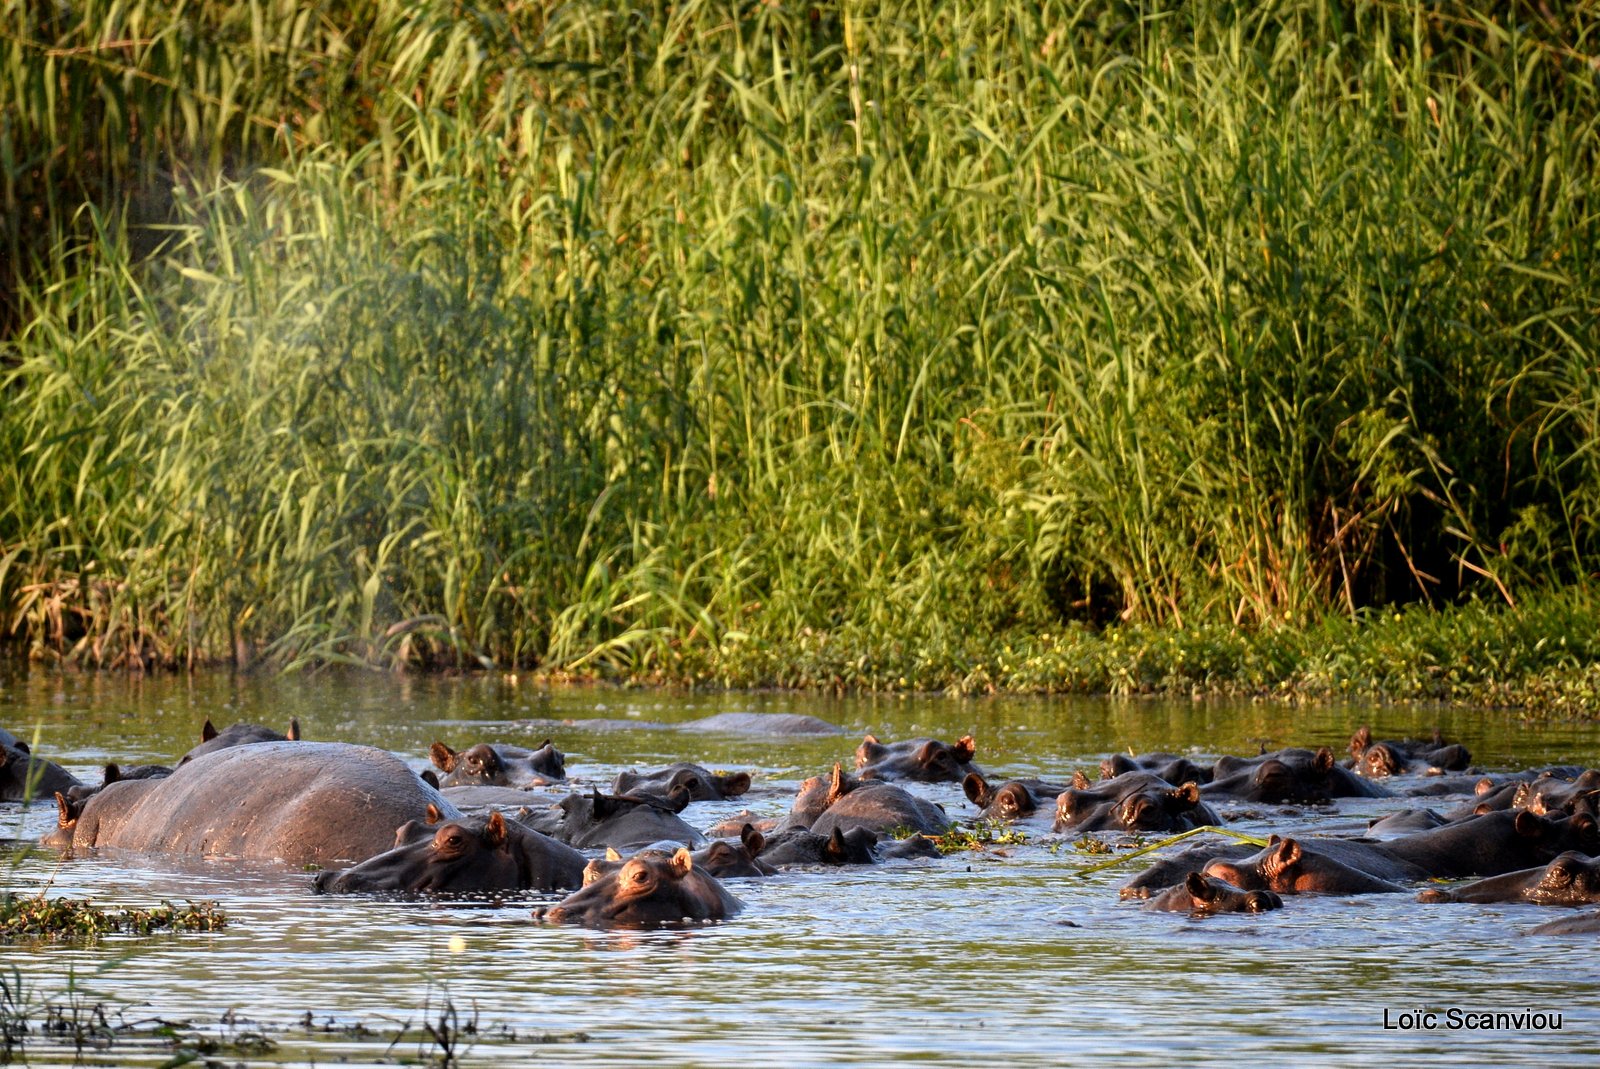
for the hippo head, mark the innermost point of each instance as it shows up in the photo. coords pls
(1203, 895)
(1570, 880)
(1360, 741)
(1009, 801)
(648, 890)
(1288, 869)
(1115, 765)
(1277, 781)
(1153, 809)
(925, 760)
(438, 857)
(548, 761)
(1379, 760)
(725, 860)
(817, 793)
(477, 765)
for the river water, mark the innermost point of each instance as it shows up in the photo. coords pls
(1004, 956)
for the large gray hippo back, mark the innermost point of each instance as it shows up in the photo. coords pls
(299, 802)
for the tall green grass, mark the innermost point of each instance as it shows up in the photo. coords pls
(688, 338)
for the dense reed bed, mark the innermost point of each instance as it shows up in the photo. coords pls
(818, 344)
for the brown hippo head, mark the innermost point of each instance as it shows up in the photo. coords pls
(924, 760)
(1288, 868)
(1204, 895)
(649, 890)
(473, 854)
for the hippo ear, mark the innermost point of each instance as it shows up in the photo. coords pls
(591, 872)
(869, 750)
(612, 855)
(494, 831)
(1323, 762)
(625, 781)
(23, 747)
(442, 756)
(111, 775)
(754, 841)
(1527, 824)
(1199, 887)
(428, 776)
(836, 785)
(965, 748)
(546, 744)
(978, 791)
(604, 805)
(294, 729)
(1483, 786)
(678, 798)
(682, 862)
(735, 785)
(836, 846)
(1187, 796)
(1079, 780)
(1360, 740)
(1287, 853)
(208, 731)
(65, 817)
(1274, 839)
(434, 815)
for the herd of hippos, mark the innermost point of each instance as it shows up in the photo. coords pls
(482, 820)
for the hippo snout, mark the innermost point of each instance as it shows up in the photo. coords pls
(324, 882)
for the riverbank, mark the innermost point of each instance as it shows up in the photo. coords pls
(1025, 348)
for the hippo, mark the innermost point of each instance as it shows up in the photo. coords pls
(882, 808)
(649, 890)
(1404, 822)
(760, 724)
(1570, 880)
(1410, 756)
(1288, 775)
(700, 784)
(1204, 895)
(1170, 767)
(1134, 801)
(816, 794)
(800, 846)
(1582, 924)
(1495, 843)
(24, 776)
(1012, 800)
(461, 856)
(1552, 794)
(595, 820)
(301, 803)
(1169, 872)
(212, 740)
(1288, 868)
(488, 765)
(115, 773)
(723, 859)
(924, 760)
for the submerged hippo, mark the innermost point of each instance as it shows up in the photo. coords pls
(626, 824)
(649, 890)
(801, 846)
(299, 802)
(212, 740)
(1134, 801)
(1171, 871)
(1288, 868)
(25, 776)
(1370, 757)
(465, 855)
(1204, 895)
(493, 765)
(924, 760)
(723, 859)
(1014, 799)
(882, 808)
(696, 783)
(1570, 880)
(1289, 775)
(1169, 766)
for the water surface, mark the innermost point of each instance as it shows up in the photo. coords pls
(1002, 956)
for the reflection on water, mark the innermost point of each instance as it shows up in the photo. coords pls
(970, 958)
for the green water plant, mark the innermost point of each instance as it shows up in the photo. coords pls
(34, 917)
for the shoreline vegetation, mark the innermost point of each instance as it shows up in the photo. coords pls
(1132, 348)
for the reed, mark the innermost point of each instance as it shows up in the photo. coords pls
(710, 340)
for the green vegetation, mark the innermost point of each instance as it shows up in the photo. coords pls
(78, 918)
(982, 835)
(1142, 347)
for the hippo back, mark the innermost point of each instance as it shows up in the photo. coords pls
(299, 802)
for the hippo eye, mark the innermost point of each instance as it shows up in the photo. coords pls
(1560, 874)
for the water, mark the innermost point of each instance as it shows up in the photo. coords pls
(1002, 956)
